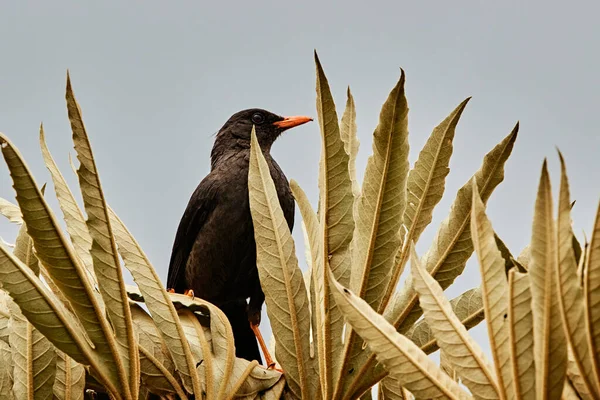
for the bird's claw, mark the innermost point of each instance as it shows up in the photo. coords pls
(189, 293)
(171, 290)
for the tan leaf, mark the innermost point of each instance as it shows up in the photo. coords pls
(445, 260)
(463, 352)
(351, 143)
(401, 357)
(34, 359)
(495, 293)
(591, 293)
(6, 372)
(50, 316)
(425, 188)
(107, 265)
(54, 252)
(549, 337)
(381, 205)
(73, 216)
(336, 203)
(520, 334)
(570, 293)
(317, 290)
(24, 250)
(468, 307)
(70, 378)
(158, 301)
(280, 276)
(11, 211)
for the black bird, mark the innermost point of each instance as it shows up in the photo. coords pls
(214, 254)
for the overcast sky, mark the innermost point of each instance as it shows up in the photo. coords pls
(157, 79)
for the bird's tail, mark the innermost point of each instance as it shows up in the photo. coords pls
(246, 345)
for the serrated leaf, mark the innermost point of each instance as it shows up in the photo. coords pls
(570, 293)
(54, 252)
(10, 211)
(520, 334)
(34, 359)
(425, 188)
(495, 293)
(280, 276)
(336, 203)
(105, 257)
(445, 259)
(402, 358)
(72, 214)
(351, 143)
(317, 290)
(468, 307)
(463, 352)
(591, 293)
(50, 316)
(549, 337)
(381, 205)
(158, 301)
(70, 378)
(379, 210)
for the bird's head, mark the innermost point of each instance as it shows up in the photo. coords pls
(236, 131)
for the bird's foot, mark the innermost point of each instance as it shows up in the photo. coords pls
(189, 293)
(268, 359)
(170, 290)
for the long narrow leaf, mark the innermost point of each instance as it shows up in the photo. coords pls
(70, 378)
(50, 316)
(403, 359)
(520, 334)
(495, 293)
(317, 290)
(549, 336)
(337, 223)
(445, 259)
(74, 218)
(107, 265)
(463, 352)
(591, 293)
(468, 307)
(570, 293)
(55, 253)
(158, 301)
(280, 276)
(34, 359)
(425, 188)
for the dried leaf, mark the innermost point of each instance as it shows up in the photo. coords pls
(463, 352)
(549, 336)
(280, 276)
(401, 357)
(495, 293)
(520, 335)
(107, 265)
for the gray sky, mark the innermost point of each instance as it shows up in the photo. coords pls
(156, 80)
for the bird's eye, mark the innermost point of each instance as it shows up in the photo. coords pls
(258, 118)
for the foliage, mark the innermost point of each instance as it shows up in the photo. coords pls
(71, 323)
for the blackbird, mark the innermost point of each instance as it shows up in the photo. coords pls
(214, 253)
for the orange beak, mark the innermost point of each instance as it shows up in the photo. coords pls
(290, 122)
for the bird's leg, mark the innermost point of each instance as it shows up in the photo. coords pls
(254, 314)
(268, 360)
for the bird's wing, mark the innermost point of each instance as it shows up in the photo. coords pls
(200, 206)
